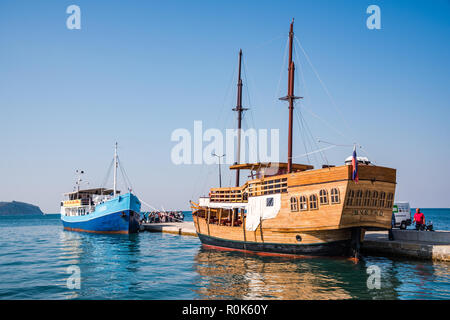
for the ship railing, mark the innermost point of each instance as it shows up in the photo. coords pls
(267, 186)
(231, 194)
(252, 188)
(85, 202)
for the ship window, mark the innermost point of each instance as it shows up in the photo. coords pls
(323, 195)
(382, 199)
(351, 195)
(269, 202)
(303, 203)
(294, 204)
(313, 202)
(390, 200)
(367, 198)
(375, 199)
(358, 201)
(334, 195)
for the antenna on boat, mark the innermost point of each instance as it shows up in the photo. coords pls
(78, 182)
(115, 169)
(239, 110)
(290, 95)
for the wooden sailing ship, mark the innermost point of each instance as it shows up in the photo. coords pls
(294, 209)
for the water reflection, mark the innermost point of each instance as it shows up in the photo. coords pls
(112, 260)
(239, 276)
(234, 275)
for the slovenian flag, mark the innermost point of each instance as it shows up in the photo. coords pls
(355, 166)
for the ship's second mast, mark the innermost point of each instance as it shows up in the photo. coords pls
(239, 110)
(290, 95)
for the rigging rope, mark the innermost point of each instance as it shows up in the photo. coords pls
(303, 140)
(322, 83)
(108, 172)
(281, 35)
(316, 151)
(126, 180)
(198, 187)
(247, 81)
(277, 93)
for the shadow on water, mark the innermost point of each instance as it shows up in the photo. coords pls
(235, 275)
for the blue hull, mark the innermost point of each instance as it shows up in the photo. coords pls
(118, 215)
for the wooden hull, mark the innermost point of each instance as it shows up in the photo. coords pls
(335, 248)
(287, 241)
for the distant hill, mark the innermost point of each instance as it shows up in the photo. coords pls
(18, 208)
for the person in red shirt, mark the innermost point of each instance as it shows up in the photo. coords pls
(419, 218)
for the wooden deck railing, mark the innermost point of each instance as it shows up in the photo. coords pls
(268, 186)
(233, 194)
(250, 189)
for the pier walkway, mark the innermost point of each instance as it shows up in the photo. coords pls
(407, 243)
(185, 228)
(425, 245)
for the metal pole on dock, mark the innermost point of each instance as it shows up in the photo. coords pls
(220, 173)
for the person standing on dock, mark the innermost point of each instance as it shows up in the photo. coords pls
(419, 219)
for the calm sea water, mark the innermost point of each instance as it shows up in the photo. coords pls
(35, 254)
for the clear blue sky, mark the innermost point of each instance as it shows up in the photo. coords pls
(137, 70)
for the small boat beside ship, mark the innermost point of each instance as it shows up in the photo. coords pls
(294, 209)
(101, 210)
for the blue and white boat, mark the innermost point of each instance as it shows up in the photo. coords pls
(101, 210)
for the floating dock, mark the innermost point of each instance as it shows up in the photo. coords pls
(424, 245)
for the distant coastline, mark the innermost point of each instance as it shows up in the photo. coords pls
(18, 208)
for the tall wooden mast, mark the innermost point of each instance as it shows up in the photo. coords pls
(239, 110)
(290, 95)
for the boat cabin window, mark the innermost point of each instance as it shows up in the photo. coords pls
(334, 196)
(382, 199)
(367, 198)
(313, 202)
(390, 200)
(358, 198)
(294, 204)
(351, 195)
(303, 203)
(269, 202)
(323, 195)
(375, 199)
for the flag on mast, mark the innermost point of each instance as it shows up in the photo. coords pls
(355, 166)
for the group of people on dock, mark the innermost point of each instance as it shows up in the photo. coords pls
(162, 216)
